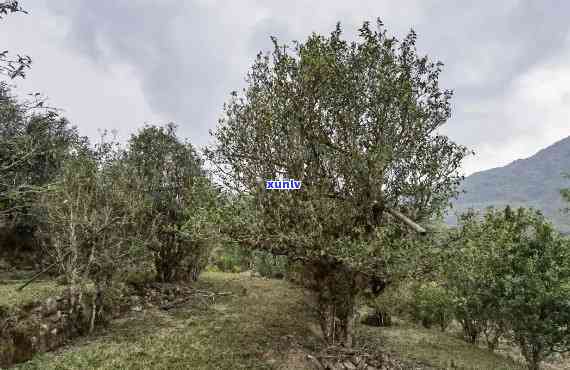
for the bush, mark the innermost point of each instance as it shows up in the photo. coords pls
(395, 300)
(270, 266)
(432, 305)
(138, 277)
(295, 273)
(212, 268)
(230, 258)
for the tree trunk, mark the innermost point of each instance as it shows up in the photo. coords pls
(532, 352)
(336, 295)
(348, 327)
(166, 266)
(534, 364)
(97, 314)
(471, 330)
(328, 321)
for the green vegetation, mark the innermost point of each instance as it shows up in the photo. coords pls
(39, 291)
(432, 305)
(438, 350)
(256, 330)
(251, 331)
(357, 123)
(508, 273)
(318, 111)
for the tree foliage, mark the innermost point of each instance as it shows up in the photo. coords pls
(34, 143)
(358, 124)
(12, 66)
(510, 273)
(432, 305)
(472, 270)
(179, 201)
(86, 215)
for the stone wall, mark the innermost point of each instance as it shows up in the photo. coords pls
(42, 326)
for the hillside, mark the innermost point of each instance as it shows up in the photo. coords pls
(531, 182)
(260, 324)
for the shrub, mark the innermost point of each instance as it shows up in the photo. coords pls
(395, 300)
(227, 257)
(510, 271)
(268, 265)
(179, 202)
(432, 305)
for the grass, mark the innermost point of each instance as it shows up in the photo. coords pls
(440, 350)
(251, 329)
(261, 325)
(10, 297)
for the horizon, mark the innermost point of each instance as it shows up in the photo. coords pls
(523, 158)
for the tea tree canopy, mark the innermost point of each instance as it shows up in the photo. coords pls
(357, 123)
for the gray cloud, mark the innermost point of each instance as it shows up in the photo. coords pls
(182, 54)
(487, 47)
(189, 55)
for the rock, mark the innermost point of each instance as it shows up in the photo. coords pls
(50, 307)
(349, 365)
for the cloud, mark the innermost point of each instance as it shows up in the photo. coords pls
(179, 60)
(91, 98)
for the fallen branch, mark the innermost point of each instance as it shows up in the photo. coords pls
(33, 278)
(406, 220)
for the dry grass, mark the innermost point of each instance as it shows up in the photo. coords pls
(251, 329)
(437, 349)
(264, 324)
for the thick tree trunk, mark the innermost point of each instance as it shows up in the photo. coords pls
(337, 324)
(336, 293)
(534, 365)
(471, 330)
(166, 265)
(348, 327)
(328, 321)
(533, 353)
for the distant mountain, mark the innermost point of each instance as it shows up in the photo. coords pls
(532, 182)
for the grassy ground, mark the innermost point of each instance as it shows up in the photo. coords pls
(441, 350)
(251, 329)
(262, 324)
(38, 290)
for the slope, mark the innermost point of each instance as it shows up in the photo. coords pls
(531, 182)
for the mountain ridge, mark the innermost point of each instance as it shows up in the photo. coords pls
(529, 182)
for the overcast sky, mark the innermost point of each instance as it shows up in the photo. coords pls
(116, 64)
